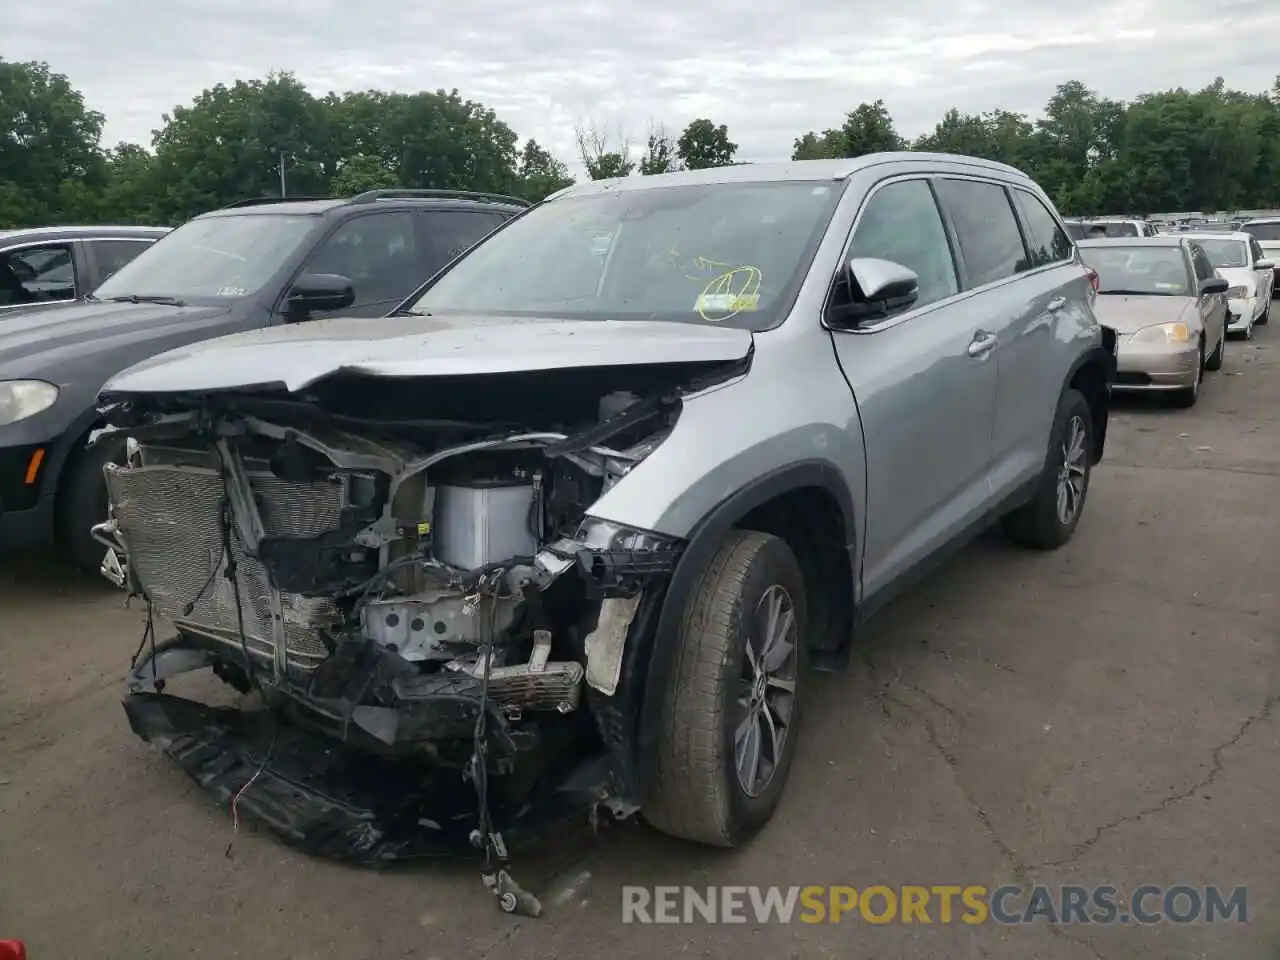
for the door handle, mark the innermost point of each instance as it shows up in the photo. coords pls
(1056, 304)
(981, 343)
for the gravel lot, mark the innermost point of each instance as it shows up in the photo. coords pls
(1104, 714)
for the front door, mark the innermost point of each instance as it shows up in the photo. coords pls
(925, 383)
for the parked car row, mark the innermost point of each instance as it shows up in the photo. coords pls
(248, 267)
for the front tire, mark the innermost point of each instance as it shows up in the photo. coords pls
(1263, 320)
(1050, 518)
(1186, 398)
(82, 503)
(730, 714)
(1215, 361)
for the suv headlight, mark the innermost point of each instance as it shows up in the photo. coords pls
(20, 399)
(1173, 334)
(1239, 293)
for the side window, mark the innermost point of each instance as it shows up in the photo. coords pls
(379, 253)
(901, 223)
(110, 255)
(990, 242)
(451, 232)
(1045, 239)
(1203, 268)
(41, 274)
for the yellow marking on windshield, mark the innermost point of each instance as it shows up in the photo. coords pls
(735, 291)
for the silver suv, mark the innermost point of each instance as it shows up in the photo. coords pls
(574, 521)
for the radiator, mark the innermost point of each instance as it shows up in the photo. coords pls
(170, 520)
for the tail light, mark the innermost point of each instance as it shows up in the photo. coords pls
(1093, 278)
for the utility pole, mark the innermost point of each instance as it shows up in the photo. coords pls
(282, 181)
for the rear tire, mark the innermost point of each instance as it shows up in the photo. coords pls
(716, 699)
(82, 503)
(1046, 522)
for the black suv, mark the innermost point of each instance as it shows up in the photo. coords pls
(43, 266)
(255, 264)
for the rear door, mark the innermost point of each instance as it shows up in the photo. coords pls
(1055, 291)
(1014, 309)
(926, 388)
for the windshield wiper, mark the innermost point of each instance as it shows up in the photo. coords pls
(139, 298)
(1141, 293)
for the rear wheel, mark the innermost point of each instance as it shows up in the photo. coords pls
(82, 503)
(1050, 518)
(731, 712)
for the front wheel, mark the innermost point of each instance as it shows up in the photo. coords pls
(82, 503)
(1050, 518)
(730, 714)
(1215, 360)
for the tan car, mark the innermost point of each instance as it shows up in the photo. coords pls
(1168, 306)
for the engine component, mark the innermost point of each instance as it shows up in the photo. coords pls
(484, 522)
(539, 684)
(426, 626)
(170, 520)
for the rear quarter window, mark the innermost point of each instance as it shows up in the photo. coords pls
(1046, 241)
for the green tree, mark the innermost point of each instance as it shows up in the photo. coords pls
(867, 129)
(359, 173)
(703, 145)
(230, 143)
(659, 153)
(130, 188)
(538, 173)
(601, 162)
(50, 159)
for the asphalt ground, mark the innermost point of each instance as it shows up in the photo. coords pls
(1104, 714)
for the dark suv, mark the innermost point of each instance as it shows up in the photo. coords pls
(43, 266)
(256, 264)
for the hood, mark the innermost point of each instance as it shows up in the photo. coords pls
(53, 338)
(298, 355)
(1129, 314)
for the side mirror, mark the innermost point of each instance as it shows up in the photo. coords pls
(1265, 265)
(1214, 285)
(878, 288)
(320, 292)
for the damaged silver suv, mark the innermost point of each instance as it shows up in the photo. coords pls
(568, 528)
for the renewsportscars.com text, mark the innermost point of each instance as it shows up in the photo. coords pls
(934, 904)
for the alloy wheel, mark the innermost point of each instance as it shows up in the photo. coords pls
(1071, 475)
(766, 697)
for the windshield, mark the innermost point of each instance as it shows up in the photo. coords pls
(1225, 253)
(1263, 231)
(1153, 271)
(728, 253)
(1112, 230)
(214, 258)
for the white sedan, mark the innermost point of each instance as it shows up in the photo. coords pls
(1251, 273)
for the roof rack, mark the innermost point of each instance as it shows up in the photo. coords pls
(392, 194)
(256, 201)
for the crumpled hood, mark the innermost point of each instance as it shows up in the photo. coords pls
(1128, 314)
(298, 355)
(51, 339)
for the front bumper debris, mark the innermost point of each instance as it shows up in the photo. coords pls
(304, 767)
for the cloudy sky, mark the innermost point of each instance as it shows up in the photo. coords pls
(770, 69)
